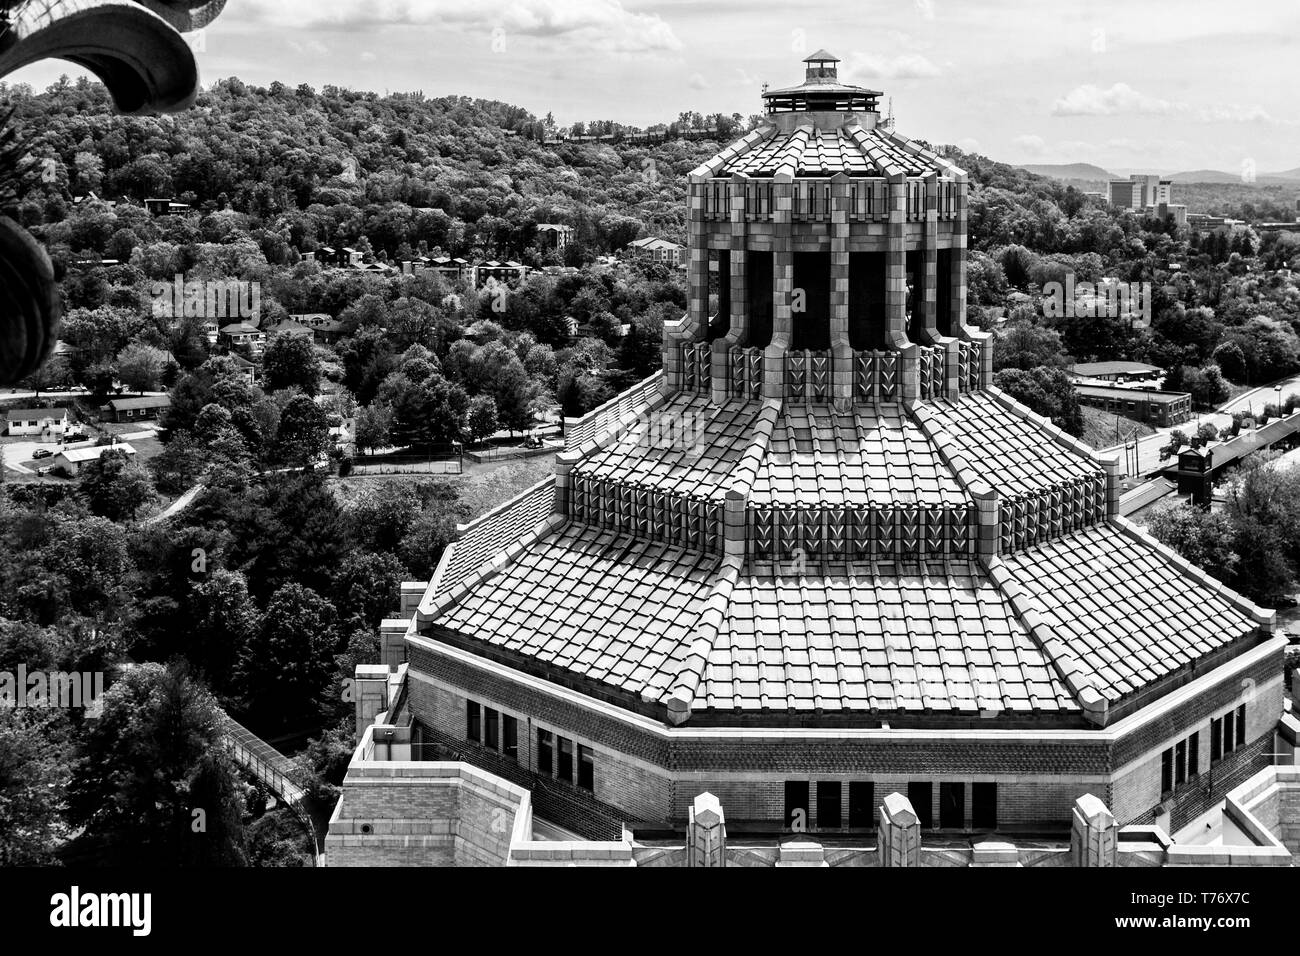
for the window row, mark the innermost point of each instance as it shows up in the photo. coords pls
(1227, 733)
(555, 759)
(492, 729)
(862, 806)
(1180, 763)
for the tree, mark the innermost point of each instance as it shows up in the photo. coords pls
(290, 361)
(381, 514)
(1206, 385)
(304, 433)
(1025, 345)
(1205, 538)
(1047, 391)
(141, 367)
(114, 486)
(1231, 360)
(367, 588)
(34, 774)
(374, 425)
(481, 420)
(288, 665)
(152, 758)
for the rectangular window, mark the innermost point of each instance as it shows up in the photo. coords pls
(586, 768)
(1216, 740)
(952, 806)
(490, 722)
(1193, 755)
(1241, 725)
(564, 747)
(544, 752)
(510, 737)
(829, 811)
(472, 721)
(796, 805)
(984, 806)
(920, 794)
(862, 804)
(1229, 736)
(1180, 762)
(1166, 771)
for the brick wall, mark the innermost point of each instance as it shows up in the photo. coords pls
(412, 814)
(643, 778)
(1135, 793)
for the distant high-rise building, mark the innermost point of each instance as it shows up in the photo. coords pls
(1140, 191)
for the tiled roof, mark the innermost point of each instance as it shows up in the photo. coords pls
(617, 610)
(1124, 611)
(484, 538)
(868, 456)
(1012, 453)
(883, 637)
(687, 446)
(823, 153)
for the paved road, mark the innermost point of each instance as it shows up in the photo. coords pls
(1148, 448)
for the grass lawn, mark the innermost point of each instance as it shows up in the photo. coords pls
(1099, 428)
(480, 487)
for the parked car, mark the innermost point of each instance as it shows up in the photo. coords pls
(44, 469)
(532, 441)
(40, 453)
(76, 436)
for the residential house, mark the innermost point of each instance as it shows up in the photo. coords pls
(49, 424)
(143, 409)
(654, 249)
(244, 337)
(291, 328)
(73, 460)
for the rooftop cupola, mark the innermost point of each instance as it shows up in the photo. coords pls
(822, 92)
(822, 68)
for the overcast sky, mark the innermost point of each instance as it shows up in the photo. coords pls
(1158, 85)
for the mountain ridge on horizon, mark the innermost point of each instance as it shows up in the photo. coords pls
(1088, 172)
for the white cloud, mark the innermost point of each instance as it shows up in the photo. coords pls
(1089, 100)
(1031, 143)
(744, 78)
(314, 47)
(968, 144)
(595, 24)
(698, 82)
(903, 66)
(368, 57)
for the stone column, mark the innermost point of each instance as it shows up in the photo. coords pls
(841, 348)
(1094, 835)
(392, 642)
(706, 832)
(909, 383)
(782, 286)
(697, 271)
(928, 294)
(900, 832)
(370, 694)
(956, 280)
(412, 594)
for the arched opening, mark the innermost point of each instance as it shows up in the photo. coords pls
(758, 298)
(810, 305)
(867, 301)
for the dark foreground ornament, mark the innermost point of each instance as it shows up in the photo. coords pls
(135, 47)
